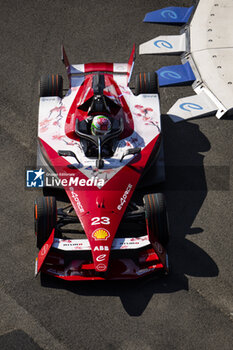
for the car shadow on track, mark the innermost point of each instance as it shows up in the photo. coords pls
(185, 190)
(135, 295)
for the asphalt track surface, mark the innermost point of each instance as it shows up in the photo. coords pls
(190, 309)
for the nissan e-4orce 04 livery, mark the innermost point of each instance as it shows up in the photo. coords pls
(110, 226)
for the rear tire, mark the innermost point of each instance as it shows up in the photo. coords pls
(51, 85)
(156, 217)
(45, 214)
(146, 83)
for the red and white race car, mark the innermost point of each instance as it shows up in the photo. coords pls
(110, 228)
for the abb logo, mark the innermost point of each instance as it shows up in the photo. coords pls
(101, 247)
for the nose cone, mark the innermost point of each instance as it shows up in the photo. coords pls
(101, 242)
(100, 226)
(101, 260)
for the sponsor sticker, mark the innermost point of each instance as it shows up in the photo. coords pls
(163, 43)
(101, 247)
(44, 249)
(188, 106)
(169, 13)
(124, 197)
(101, 267)
(101, 257)
(76, 199)
(101, 234)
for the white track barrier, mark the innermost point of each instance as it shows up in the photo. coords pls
(209, 50)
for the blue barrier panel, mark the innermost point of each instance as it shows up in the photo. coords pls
(176, 75)
(173, 15)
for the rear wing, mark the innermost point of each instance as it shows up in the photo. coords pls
(121, 71)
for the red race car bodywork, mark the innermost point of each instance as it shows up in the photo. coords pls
(100, 186)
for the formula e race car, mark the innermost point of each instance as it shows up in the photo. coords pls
(110, 227)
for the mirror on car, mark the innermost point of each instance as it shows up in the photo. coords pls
(65, 153)
(130, 151)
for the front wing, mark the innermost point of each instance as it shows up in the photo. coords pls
(130, 258)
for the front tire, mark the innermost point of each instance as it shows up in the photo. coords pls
(156, 217)
(45, 215)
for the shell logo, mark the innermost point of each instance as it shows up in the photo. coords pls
(101, 234)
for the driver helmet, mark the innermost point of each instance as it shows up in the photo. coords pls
(100, 125)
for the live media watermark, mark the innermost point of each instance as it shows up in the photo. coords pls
(177, 178)
(39, 178)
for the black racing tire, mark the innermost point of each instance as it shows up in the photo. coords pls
(146, 83)
(45, 215)
(51, 85)
(156, 217)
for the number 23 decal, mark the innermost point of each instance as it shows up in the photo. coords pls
(104, 220)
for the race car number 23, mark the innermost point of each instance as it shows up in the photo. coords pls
(104, 220)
